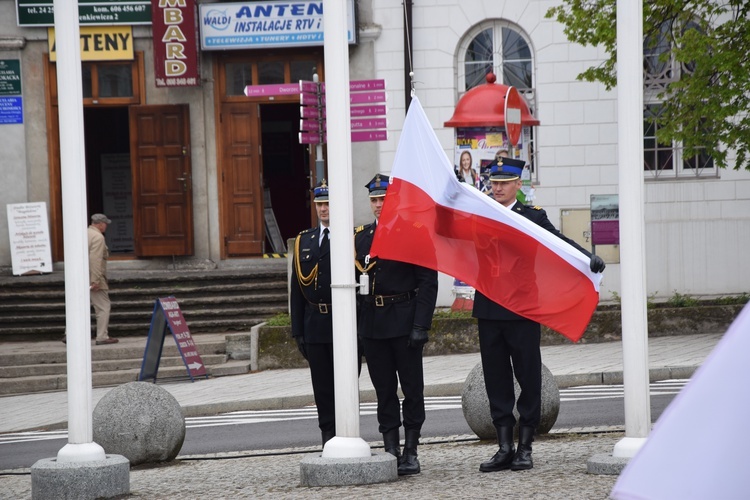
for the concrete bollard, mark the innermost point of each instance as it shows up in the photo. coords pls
(476, 405)
(140, 421)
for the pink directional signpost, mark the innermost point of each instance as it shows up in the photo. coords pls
(368, 111)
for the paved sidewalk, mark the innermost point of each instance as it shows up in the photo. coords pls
(570, 364)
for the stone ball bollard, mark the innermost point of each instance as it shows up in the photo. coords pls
(140, 421)
(476, 405)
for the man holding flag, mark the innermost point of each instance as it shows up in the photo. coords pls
(506, 336)
(524, 271)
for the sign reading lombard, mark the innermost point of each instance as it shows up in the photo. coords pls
(42, 12)
(254, 25)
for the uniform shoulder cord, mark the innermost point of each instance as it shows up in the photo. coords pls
(360, 267)
(303, 280)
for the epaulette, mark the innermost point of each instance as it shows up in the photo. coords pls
(535, 207)
(308, 230)
(359, 229)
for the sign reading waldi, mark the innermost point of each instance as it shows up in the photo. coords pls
(253, 25)
(42, 12)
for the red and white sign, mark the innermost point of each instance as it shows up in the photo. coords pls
(181, 333)
(513, 103)
(176, 62)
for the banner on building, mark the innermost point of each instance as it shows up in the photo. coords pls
(28, 229)
(176, 62)
(253, 25)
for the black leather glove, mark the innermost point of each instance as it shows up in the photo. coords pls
(301, 346)
(417, 338)
(597, 264)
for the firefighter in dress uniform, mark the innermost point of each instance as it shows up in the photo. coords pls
(310, 304)
(506, 336)
(395, 308)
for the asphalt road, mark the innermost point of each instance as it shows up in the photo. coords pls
(581, 407)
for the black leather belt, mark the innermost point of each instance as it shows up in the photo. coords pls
(381, 300)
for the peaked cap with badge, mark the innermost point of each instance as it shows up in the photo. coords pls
(378, 185)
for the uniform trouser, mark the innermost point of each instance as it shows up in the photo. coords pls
(320, 358)
(390, 361)
(503, 341)
(102, 306)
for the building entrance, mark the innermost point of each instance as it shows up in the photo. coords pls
(108, 177)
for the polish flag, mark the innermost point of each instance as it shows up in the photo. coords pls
(431, 219)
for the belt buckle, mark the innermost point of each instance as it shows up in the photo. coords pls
(323, 308)
(379, 301)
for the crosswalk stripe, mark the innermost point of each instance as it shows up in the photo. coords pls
(432, 403)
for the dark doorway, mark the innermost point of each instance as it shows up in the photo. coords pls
(108, 176)
(286, 168)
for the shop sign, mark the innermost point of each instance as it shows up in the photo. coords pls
(100, 43)
(175, 43)
(11, 110)
(10, 77)
(91, 12)
(253, 25)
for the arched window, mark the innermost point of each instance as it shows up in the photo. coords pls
(500, 48)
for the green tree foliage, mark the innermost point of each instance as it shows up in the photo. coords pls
(708, 109)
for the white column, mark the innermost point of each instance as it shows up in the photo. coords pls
(80, 447)
(347, 442)
(632, 239)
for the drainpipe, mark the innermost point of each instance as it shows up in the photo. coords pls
(408, 4)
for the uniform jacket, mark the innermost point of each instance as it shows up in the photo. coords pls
(485, 308)
(310, 297)
(98, 255)
(392, 278)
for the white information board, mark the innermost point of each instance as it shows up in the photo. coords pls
(30, 248)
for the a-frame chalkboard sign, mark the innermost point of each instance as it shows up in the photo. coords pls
(167, 315)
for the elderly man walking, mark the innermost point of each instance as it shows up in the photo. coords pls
(98, 255)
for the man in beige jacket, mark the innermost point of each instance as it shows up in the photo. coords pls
(98, 254)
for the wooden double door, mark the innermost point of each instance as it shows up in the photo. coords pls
(156, 139)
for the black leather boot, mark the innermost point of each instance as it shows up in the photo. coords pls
(522, 460)
(504, 456)
(326, 436)
(391, 443)
(409, 464)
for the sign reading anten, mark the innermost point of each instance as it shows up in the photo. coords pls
(266, 24)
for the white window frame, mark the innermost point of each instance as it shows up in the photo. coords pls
(653, 84)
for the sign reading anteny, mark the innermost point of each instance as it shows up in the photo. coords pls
(266, 24)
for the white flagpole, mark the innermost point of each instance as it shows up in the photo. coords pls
(632, 239)
(347, 442)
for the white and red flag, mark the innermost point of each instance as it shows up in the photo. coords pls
(431, 219)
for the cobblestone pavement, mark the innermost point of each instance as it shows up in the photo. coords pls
(450, 469)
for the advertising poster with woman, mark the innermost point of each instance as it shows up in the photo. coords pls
(479, 147)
